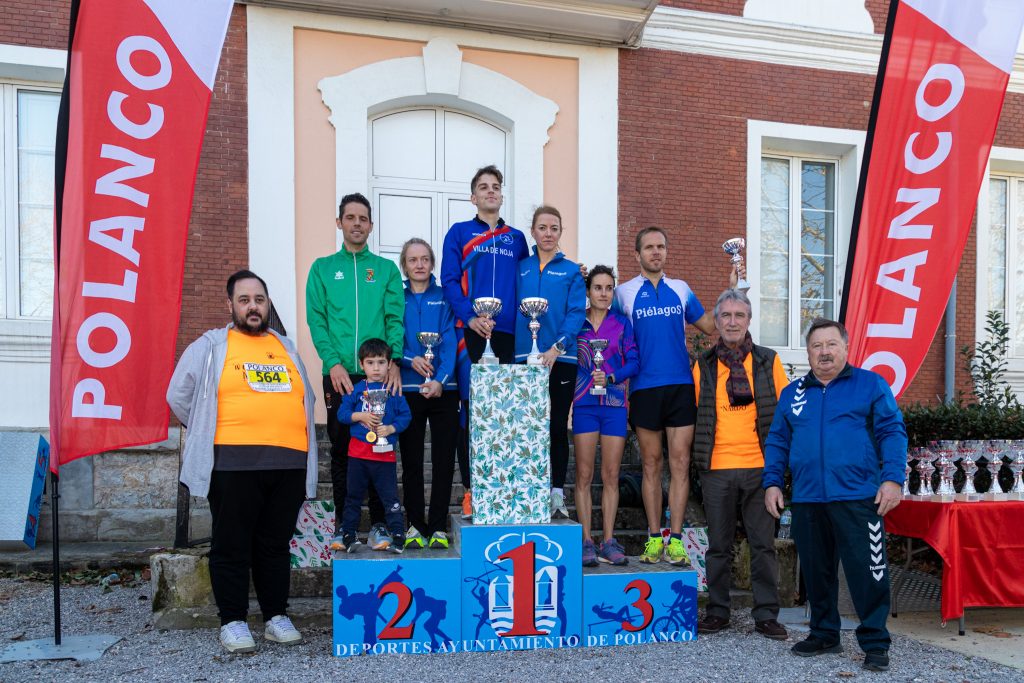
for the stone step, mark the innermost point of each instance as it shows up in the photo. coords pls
(305, 612)
(324, 487)
(627, 519)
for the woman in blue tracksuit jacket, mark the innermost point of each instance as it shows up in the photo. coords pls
(548, 274)
(436, 401)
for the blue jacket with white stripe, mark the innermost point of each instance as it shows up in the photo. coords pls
(840, 440)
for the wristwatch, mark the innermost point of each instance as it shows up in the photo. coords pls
(559, 346)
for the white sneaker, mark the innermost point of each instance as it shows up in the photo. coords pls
(235, 637)
(281, 630)
(558, 507)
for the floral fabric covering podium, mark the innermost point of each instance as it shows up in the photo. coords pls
(509, 444)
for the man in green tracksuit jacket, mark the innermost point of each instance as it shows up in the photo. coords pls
(351, 296)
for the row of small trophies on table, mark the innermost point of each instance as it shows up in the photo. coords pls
(942, 457)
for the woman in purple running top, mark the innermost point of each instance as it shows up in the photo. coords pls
(603, 415)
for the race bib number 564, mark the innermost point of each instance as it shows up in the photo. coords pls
(267, 378)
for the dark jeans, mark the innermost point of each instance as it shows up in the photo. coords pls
(561, 386)
(502, 343)
(724, 490)
(254, 514)
(443, 415)
(850, 530)
(339, 435)
(372, 474)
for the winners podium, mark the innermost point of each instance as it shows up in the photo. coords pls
(512, 579)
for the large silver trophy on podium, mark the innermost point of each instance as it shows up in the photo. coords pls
(429, 340)
(733, 247)
(534, 307)
(598, 345)
(376, 401)
(487, 307)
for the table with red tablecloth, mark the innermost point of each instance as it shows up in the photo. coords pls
(981, 545)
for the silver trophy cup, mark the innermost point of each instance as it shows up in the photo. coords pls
(969, 453)
(733, 247)
(927, 467)
(994, 453)
(945, 493)
(534, 307)
(598, 345)
(911, 455)
(428, 339)
(376, 400)
(487, 307)
(1017, 466)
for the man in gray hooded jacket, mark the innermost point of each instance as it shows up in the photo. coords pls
(244, 397)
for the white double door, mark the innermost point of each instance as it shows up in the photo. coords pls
(421, 163)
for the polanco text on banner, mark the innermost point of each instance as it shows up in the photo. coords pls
(944, 79)
(140, 78)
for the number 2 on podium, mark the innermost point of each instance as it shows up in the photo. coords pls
(404, 595)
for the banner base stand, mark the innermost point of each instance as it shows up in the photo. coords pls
(799, 619)
(78, 648)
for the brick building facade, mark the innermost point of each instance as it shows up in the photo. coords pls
(668, 131)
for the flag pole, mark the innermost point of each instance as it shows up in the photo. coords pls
(54, 504)
(60, 170)
(869, 141)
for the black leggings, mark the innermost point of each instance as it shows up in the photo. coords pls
(561, 387)
(443, 415)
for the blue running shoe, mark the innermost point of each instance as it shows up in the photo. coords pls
(612, 553)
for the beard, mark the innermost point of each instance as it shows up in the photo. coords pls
(242, 323)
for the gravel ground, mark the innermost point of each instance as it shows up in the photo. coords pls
(736, 655)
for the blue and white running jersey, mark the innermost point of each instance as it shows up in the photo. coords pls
(659, 316)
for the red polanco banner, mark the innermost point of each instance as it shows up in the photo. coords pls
(941, 85)
(138, 88)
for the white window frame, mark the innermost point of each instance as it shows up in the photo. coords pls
(10, 218)
(1004, 162)
(795, 211)
(27, 341)
(439, 191)
(772, 138)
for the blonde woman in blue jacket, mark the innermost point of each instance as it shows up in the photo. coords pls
(549, 274)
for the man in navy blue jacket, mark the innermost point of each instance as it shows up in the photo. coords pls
(841, 434)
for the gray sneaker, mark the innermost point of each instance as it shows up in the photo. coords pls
(558, 508)
(379, 538)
